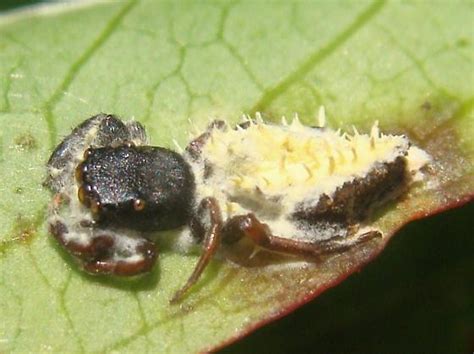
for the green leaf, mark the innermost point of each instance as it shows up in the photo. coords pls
(408, 65)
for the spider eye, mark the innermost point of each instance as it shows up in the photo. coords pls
(79, 173)
(95, 207)
(83, 196)
(87, 153)
(139, 204)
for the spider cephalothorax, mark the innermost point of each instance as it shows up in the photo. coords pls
(140, 187)
(289, 188)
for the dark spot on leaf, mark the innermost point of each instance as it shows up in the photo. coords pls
(426, 105)
(24, 229)
(462, 42)
(439, 111)
(18, 190)
(25, 142)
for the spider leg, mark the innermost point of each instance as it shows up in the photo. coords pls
(142, 261)
(101, 254)
(97, 131)
(137, 133)
(211, 242)
(248, 225)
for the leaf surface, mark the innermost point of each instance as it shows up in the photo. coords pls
(407, 65)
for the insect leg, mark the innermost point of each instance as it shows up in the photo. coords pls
(260, 233)
(195, 146)
(211, 242)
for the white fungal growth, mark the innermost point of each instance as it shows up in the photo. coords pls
(321, 117)
(269, 169)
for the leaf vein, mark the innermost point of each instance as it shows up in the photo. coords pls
(76, 67)
(65, 311)
(319, 55)
(417, 63)
(232, 49)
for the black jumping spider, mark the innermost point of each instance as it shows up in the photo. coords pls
(313, 187)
